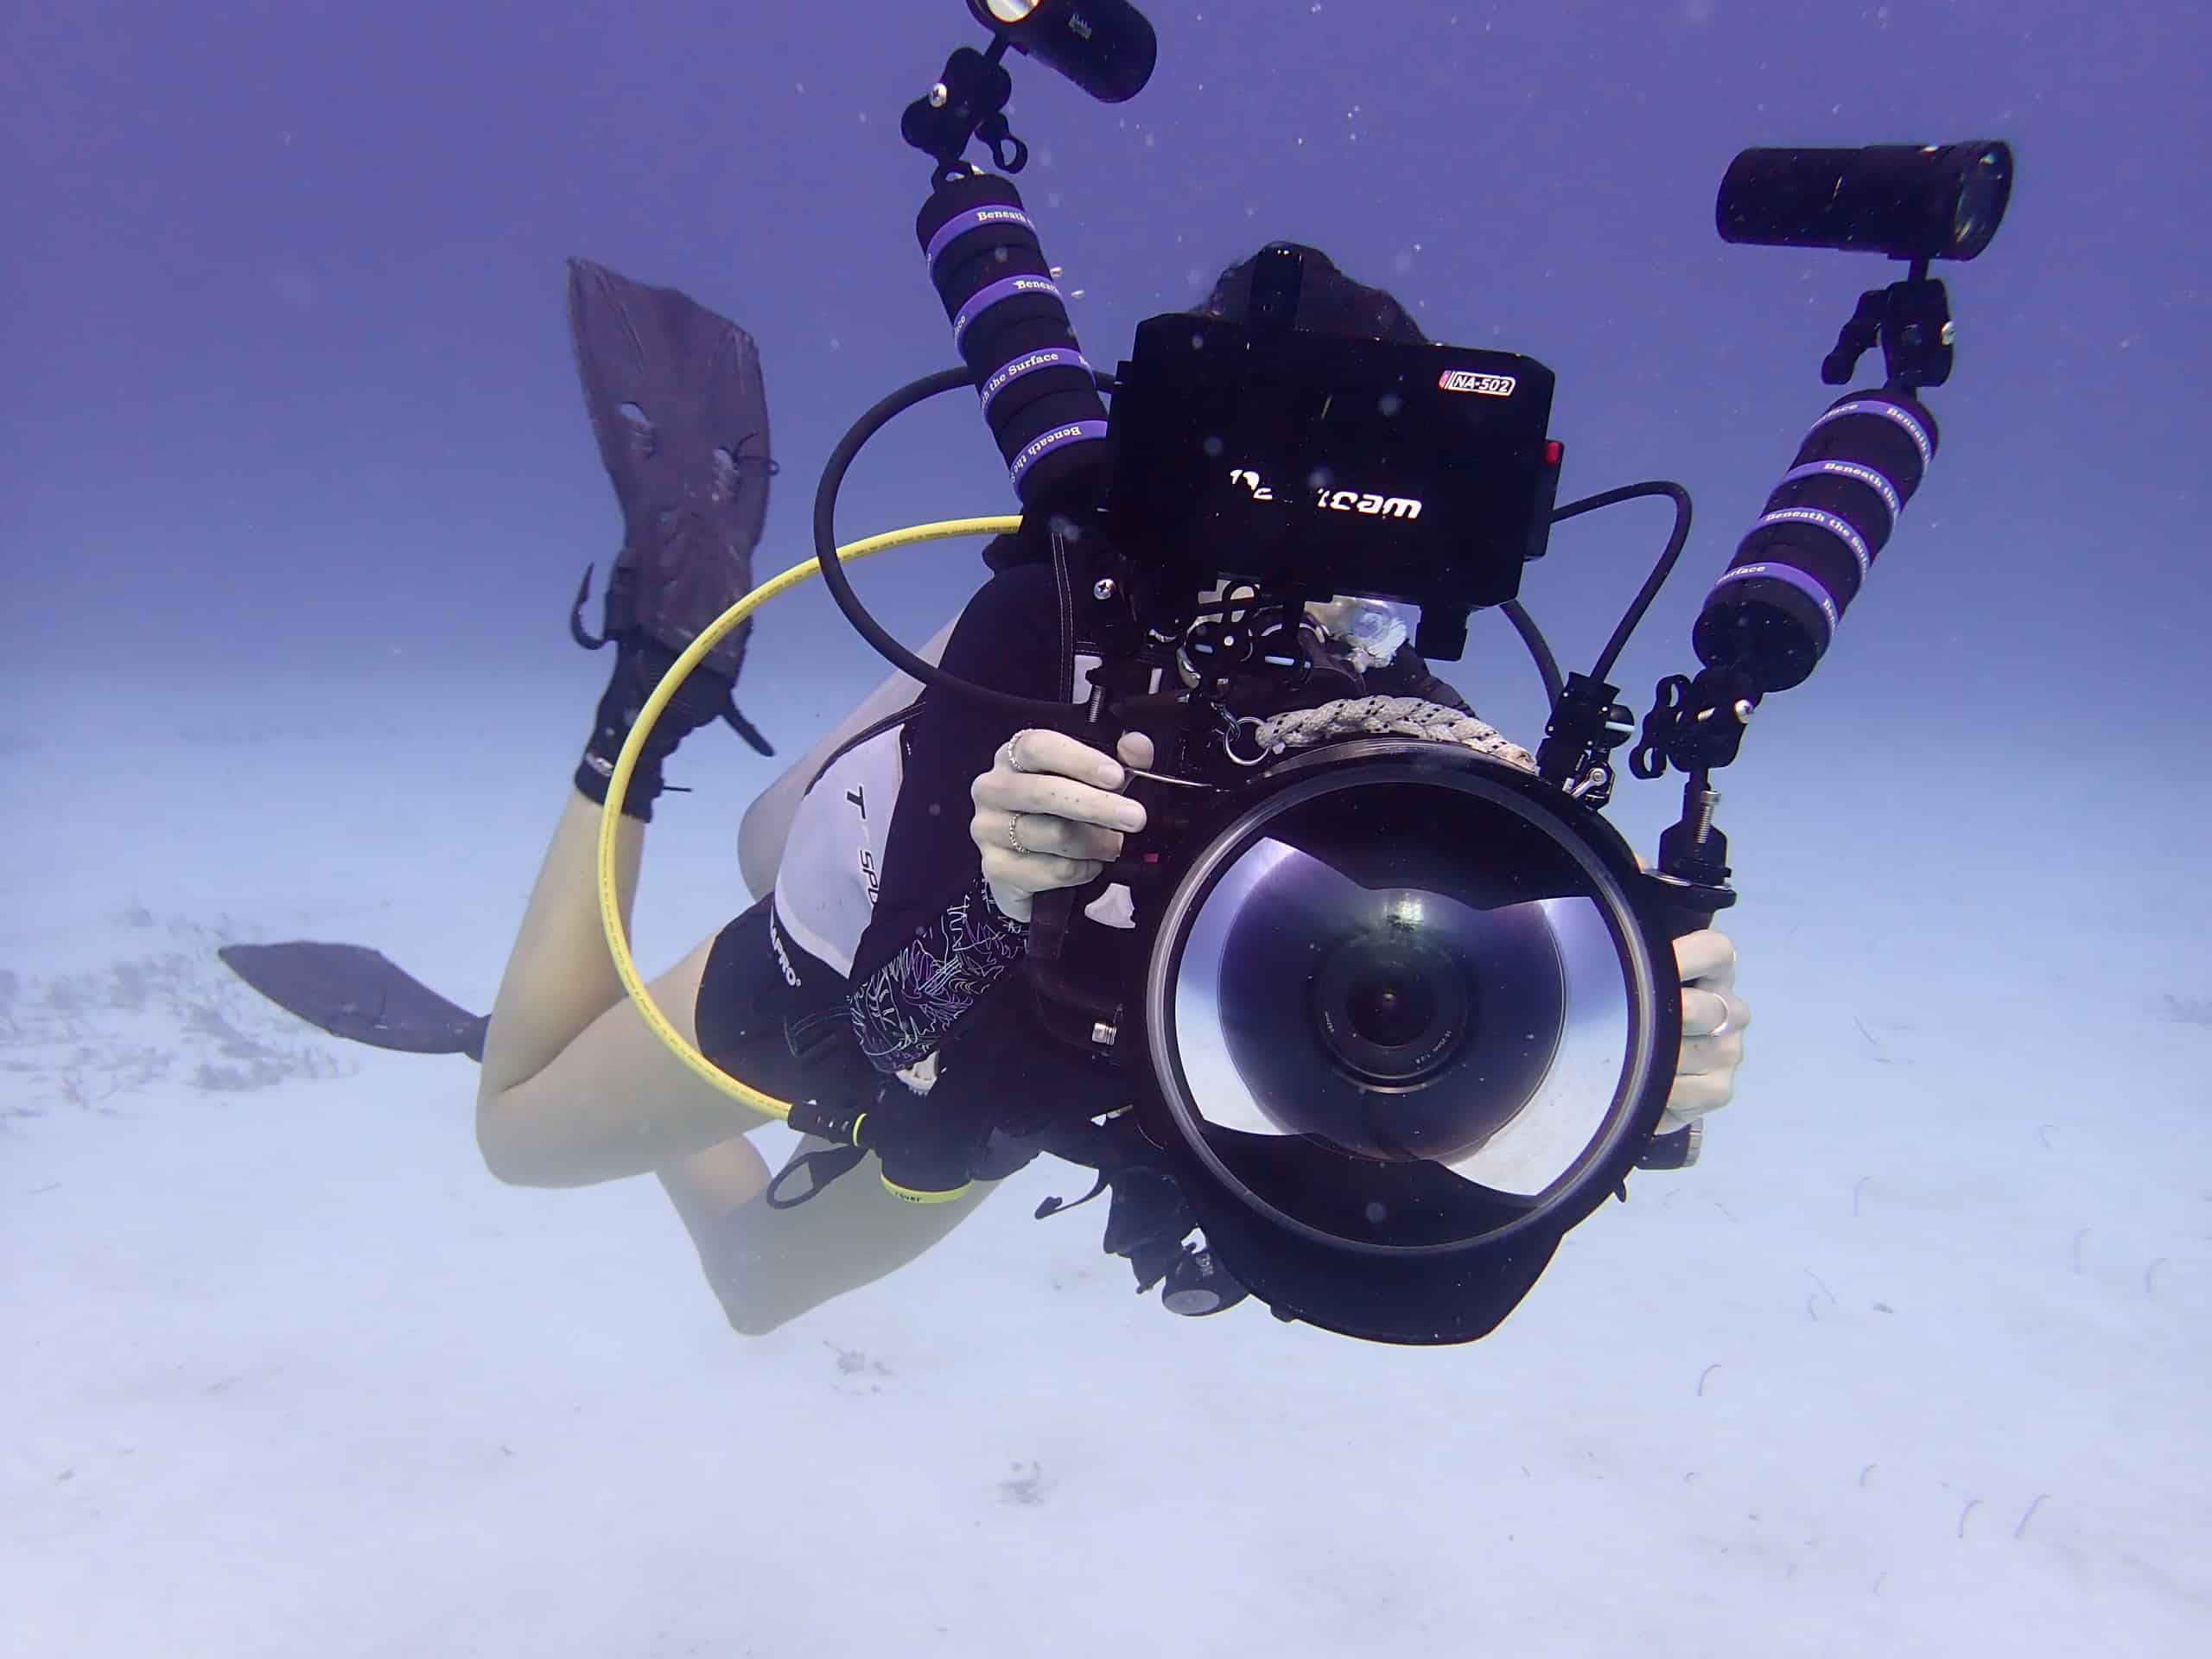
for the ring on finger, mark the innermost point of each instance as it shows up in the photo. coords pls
(1727, 1018)
(1013, 835)
(1014, 761)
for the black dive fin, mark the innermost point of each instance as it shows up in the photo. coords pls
(746, 729)
(350, 991)
(677, 405)
(730, 712)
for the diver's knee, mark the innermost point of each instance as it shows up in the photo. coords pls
(504, 1145)
(748, 1301)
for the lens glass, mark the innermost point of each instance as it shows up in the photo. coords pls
(1415, 974)
(1982, 186)
(1978, 191)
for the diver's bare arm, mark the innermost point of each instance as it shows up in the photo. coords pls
(575, 1088)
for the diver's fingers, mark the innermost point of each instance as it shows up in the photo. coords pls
(1044, 832)
(1135, 750)
(1038, 750)
(1707, 957)
(1710, 1012)
(1004, 867)
(1709, 1057)
(1695, 1096)
(1054, 796)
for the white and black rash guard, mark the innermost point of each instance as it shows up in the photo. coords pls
(879, 883)
(880, 891)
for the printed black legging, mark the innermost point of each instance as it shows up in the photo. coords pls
(767, 1265)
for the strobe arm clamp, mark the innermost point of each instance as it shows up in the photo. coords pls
(1696, 725)
(969, 102)
(1911, 323)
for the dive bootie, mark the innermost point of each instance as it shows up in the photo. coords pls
(677, 405)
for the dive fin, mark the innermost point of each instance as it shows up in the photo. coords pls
(746, 729)
(353, 992)
(729, 711)
(678, 404)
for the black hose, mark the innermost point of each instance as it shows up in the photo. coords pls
(1660, 572)
(1539, 647)
(841, 587)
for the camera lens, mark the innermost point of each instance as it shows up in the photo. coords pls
(1350, 975)
(1389, 1007)
(1404, 1024)
(1389, 1012)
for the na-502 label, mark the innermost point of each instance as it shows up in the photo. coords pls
(1483, 386)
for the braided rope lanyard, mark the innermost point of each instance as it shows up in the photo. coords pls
(1378, 716)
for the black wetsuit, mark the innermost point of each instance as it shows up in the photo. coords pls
(935, 942)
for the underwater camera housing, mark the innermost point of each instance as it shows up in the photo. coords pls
(1377, 1006)
(1299, 463)
(1385, 1070)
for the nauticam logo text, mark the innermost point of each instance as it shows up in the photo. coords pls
(1335, 500)
(1483, 386)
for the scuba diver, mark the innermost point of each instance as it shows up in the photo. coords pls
(1373, 1003)
(893, 867)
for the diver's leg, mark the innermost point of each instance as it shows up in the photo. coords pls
(768, 1267)
(559, 976)
(771, 1013)
(575, 1088)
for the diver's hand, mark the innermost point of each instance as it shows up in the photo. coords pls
(1713, 1018)
(1049, 814)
